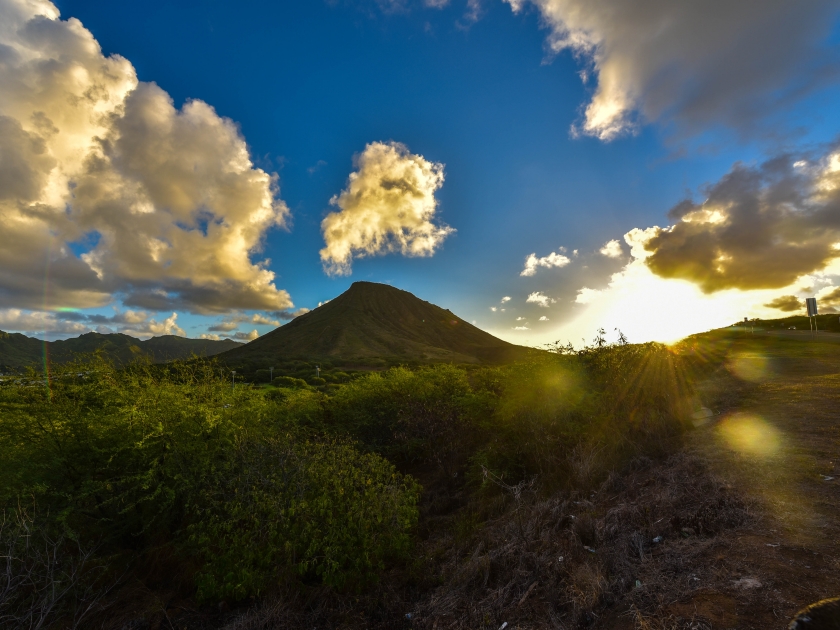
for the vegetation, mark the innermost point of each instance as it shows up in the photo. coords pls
(307, 483)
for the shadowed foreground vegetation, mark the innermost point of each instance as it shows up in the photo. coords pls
(160, 496)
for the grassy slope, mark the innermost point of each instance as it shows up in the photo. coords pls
(18, 350)
(376, 320)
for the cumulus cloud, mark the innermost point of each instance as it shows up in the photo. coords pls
(786, 303)
(494, 308)
(507, 298)
(153, 328)
(134, 323)
(243, 336)
(828, 298)
(540, 299)
(759, 227)
(210, 336)
(521, 328)
(554, 259)
(612, 249)
(164, 204)
(388, 206)
(543, 318)
(17, 320)
(690, 62)
(585, 295)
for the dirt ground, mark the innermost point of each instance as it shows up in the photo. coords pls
(774, 441)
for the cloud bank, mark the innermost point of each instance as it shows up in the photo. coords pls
(758, 228)
(388, 206)
(693, 63)
(107, 189)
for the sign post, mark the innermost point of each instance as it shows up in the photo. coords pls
(811, 303)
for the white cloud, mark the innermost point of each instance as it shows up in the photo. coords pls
(494, 309)
(612, 249)
(521, 328)
(693, 62)
(256, 318)
(586, 295)
(543, 318)
(435, 4)
(242, 336)
(507, 298)
(388, 206)
(540, 299)
(554, 259)
(17, 320)
(519, 319)
(210, 336)
(166, 201)
(153, 328)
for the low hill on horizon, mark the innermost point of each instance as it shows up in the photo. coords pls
(18, 351)
(377, 321)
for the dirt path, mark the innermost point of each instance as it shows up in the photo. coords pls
(776, 441)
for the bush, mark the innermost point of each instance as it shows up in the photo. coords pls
(289, 382)
(316, 381)
(319, 509)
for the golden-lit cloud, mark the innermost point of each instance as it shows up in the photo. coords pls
(133, 323)
(758, 228)
(612, 249)
(554, 259)
(786, 303)
(17, 320)
(695, 63)
(388, 206)
(586, 295)
(540, 299)
(106, 189)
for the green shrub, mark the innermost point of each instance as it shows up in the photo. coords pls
(290, 382)
(319, 509)
(316, 381)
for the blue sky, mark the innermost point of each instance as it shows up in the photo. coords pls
(474, 87)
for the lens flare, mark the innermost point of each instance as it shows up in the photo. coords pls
(750, 435)
(754, 368)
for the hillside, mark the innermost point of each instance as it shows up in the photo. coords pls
(18, 350)
(370, 321)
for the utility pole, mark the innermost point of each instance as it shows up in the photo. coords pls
(271, 374)
(233, 379)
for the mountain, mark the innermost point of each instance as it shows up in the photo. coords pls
(370, 321)
(18, 350)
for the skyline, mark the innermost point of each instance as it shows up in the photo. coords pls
(206, 171)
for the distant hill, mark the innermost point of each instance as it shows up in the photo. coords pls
(370, 321)
(18, 350)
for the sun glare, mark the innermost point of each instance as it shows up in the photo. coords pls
(750, 434)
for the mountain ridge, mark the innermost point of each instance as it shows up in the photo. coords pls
(18, 350)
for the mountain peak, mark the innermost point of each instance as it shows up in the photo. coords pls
(374, 320)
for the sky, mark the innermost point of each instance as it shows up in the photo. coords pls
(542, 168)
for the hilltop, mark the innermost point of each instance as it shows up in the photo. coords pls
(17, 350)
(373, 321)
